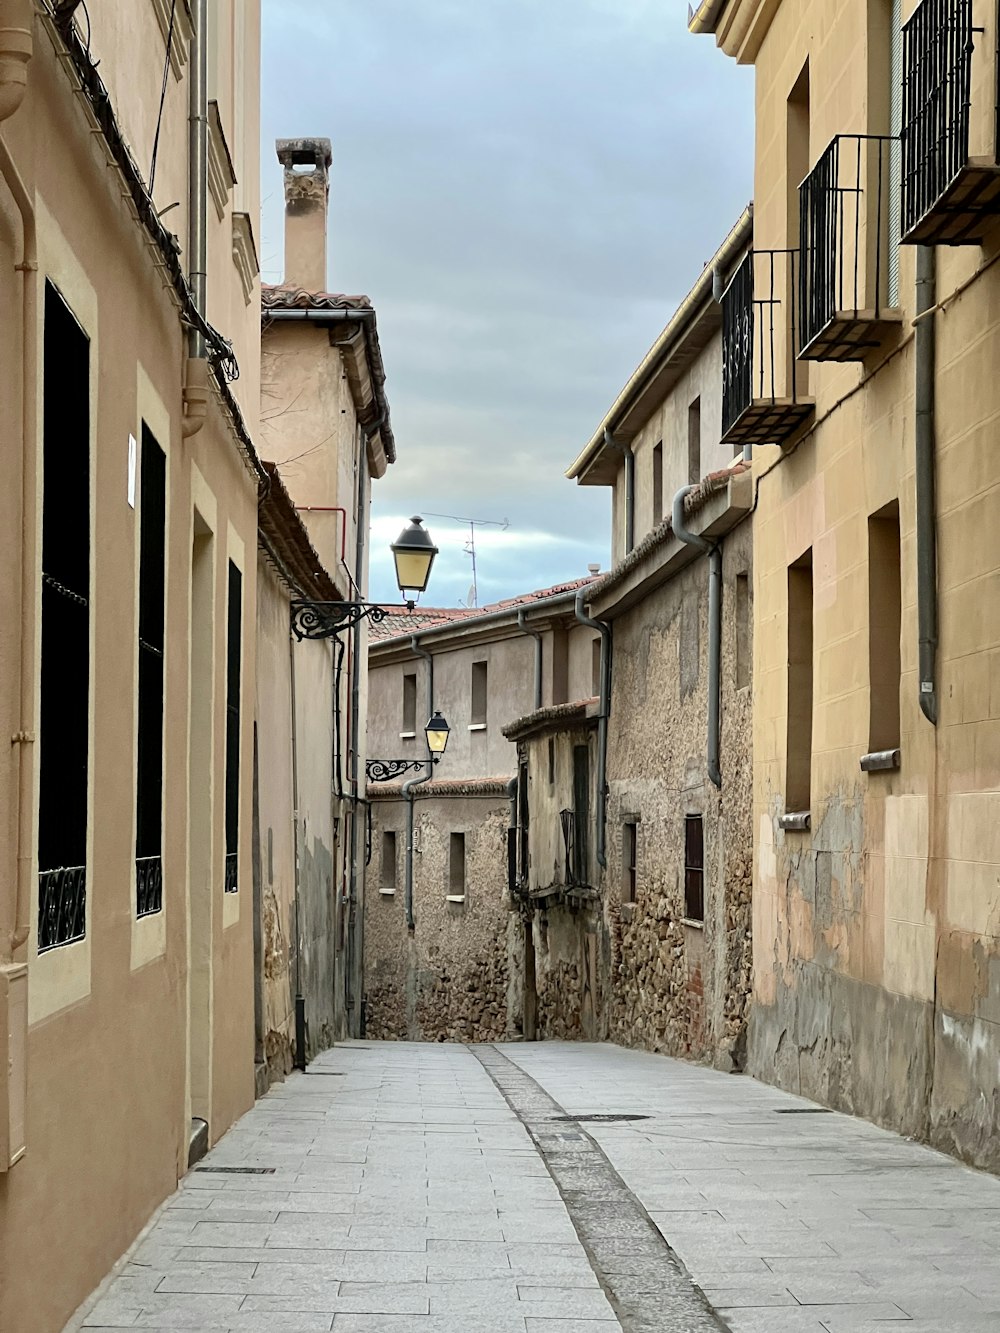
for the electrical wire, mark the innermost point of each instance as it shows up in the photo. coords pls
(163, 92)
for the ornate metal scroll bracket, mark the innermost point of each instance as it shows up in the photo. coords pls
(324, 620)
(385, 770)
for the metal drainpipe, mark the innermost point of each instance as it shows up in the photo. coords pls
(683, 533)
(629, 456)
(602, 723)
(195, 393)
(300, 1004)
(536, 635)
(14, 58)
(409, 785)
(355, 934)
(927, 598)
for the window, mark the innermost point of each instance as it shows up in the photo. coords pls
(630, 842)
(885, 116)
(884, 621)
(657, 483)
(456, 868)
(552, 762)
(744, 642)
(149, 774)
(233, 646)
(694, 868)
(479, 694)
(65, 630)
(410, 703)
(388, 862)
(523, 821)
(799, 717)
(694, 441)
(560, 666)
(580, 871)
(798, 160)
(595, 667)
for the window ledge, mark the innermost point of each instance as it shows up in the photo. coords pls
(880, 761)
(477, 726)
(456, 897)
(796, 821)
(407, 735)
(691, 923)
(387, 893)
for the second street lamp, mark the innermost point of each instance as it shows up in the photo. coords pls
(437, 732)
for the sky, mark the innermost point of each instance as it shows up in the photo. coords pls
(526, 189)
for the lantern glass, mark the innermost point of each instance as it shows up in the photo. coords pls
(414, 552)
(437, 732)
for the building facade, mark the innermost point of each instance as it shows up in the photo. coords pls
(877, 710)
(442, 958)
(126, 620)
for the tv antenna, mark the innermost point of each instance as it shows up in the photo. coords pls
(470, 545)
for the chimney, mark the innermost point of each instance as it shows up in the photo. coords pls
(307, 192)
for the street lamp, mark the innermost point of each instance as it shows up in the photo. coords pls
(414, 552)
(437, 732)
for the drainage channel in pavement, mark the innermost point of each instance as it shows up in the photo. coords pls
(644, 1280)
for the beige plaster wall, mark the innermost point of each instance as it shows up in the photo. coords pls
(109, 1095)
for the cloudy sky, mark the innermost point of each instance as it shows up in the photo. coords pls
(526, 189)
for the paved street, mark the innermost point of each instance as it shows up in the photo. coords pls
(432, 1189)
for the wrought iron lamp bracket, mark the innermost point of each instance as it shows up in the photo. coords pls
(325, 620)
(385, 770)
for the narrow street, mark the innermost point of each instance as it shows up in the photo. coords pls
(448, 1189)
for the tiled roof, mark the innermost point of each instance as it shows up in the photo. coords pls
(391, 791)
(399, 623)
(285, 541)
(555, 716)
(279, 297)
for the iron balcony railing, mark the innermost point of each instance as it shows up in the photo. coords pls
(946, 192)
(847, 253)
(148, 885)
(62, 906)
(761, 403)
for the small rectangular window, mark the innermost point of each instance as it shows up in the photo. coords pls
(64, 703)
(552, 762)
(595, 667)
(456, 866)
(388, 862)
(234, 644)
(657, 483)
(580, 867)
(409, 727)
(694, 868)
(480, 688)
(744, 642)
(884, 622)
(523, 822)
(799, 713)
(149, 776)
(630, 843)
(694, 441)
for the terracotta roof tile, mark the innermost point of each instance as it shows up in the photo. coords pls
(399, 622)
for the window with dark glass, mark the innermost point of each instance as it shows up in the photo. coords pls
(233, 647)
(630, 844)
(456, 866)
(388, 861)
(64, 726)
(410, 703)
(694, 868)
(581, 815)
(149, 775)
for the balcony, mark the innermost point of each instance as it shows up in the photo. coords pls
(849, 275)
(950, 171)
(762, 401)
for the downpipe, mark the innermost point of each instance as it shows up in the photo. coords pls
(355, 919)
(15, 52)
(412, 783)
(926, 501)
(714, 551)
(195, 393)
(626, 451)
(536, 635)
(300, 1003)
(604, 711)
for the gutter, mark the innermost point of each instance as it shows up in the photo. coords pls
(472, 623)
(536, 635)
(684, 534)
(705, 19)
(604, 712)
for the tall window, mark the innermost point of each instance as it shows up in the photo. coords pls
(388, 862)
(657, 483)
(884, 621)
(694, 868)
(456, 866)
(523, 821)
(233, 649)
(595, 667)
(744, 642)
(798, 161)
(581, 811)
(65, 665)
(480, 687)
(799, 715)
(885, 116)
(410, 704)
(630, 843)
(552, 761)
(694, 441)
(149, 774)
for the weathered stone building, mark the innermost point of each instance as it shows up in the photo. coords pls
(439, 957)
(876, 798)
